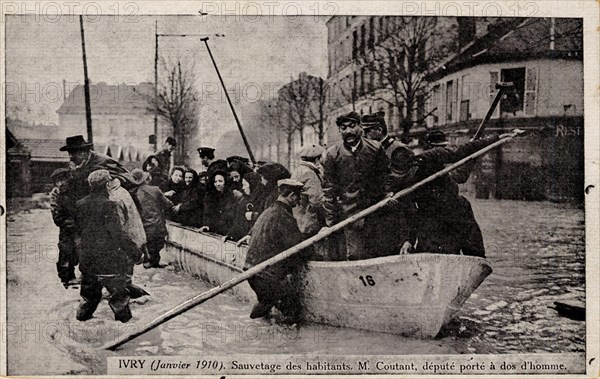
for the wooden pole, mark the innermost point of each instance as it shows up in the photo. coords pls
(156, 86)
(502, 87)
(201, 298)
(86, 87)
(237, 120)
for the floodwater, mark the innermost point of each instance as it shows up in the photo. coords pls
(537, 251)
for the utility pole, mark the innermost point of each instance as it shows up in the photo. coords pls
(155, 85)
(156, 36)
(86, 87)
(237, 120)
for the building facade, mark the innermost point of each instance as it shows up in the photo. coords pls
(541, 56)
(122, 115)
(543, 59)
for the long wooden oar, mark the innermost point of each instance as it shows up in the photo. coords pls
(201, 298)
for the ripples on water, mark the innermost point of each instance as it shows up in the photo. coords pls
(537, 251)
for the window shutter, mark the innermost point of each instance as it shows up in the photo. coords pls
(494, 78)
(442, 104)
(531, 86)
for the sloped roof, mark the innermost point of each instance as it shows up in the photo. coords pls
(45, 149)
(111, 99)
(517, 39)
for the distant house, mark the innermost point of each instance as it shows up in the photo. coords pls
(45, 158)
(121, 115)
(543, 57)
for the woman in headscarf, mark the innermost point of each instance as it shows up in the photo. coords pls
(238, 170)
(175, 185)
(219, 203)
(264, 195)
(241, 224)
(189, 210)
(158, 177)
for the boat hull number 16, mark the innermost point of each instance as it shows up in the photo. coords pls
(367, 280)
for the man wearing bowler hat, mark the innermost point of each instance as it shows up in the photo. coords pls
(275, 231)
(84, 160)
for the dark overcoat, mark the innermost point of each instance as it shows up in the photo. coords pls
(106, 247)
(275, 231)
(353, 181)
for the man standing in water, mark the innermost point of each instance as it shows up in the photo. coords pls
(275, 231)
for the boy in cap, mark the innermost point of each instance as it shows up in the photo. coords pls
(153, 208)
(107, 251)
(63, 215)
(276, 230)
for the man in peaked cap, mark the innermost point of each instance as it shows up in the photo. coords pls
(209, 163)
(354, 172)
(444, 222)
(436, 138)
(275, 231)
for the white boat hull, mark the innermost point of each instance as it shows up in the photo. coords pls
(413, 295)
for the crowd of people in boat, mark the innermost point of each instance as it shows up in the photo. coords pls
(111, 219)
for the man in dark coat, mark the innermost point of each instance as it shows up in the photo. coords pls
(354, 173)
(84, 161)
(276, 230)
(107, 252)
(440, 222)
(473, 238)
(63, 215)
(153, 207)
(395, 227)
(164, 156)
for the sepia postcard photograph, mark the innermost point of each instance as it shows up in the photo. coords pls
(235, 188)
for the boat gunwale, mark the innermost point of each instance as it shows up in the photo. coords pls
(426, 257)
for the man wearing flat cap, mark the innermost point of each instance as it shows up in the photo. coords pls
(354, 172)
(309, 212)
(275, 231)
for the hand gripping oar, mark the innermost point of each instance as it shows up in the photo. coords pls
(201, 298)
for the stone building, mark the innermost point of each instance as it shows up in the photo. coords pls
(543, 58)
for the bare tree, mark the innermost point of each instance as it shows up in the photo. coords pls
(179, 105)
(319, 109)
(406, 50)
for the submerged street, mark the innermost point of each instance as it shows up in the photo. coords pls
(537, 251)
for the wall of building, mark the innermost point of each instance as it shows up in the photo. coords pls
(559, 84)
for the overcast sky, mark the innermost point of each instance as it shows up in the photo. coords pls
(255, 54)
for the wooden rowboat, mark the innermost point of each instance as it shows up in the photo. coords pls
(413, 295)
